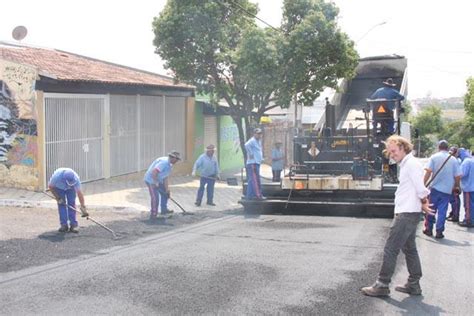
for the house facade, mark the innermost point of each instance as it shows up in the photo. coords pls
(59, 109)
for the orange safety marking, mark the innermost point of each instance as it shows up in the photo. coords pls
(381, 109)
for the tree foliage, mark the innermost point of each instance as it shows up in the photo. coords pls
(429, 121)
(429, 124)
(217, 46)
(433, 128)
(469, 105)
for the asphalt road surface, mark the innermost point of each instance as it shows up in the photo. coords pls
(229, 263)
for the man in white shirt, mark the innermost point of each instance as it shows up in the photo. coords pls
(410, 199)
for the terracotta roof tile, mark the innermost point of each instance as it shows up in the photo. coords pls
(67, 66)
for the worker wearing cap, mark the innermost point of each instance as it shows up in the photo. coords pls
(389, 93)
(156, 179)
(467, 185)
(446, 181)
(207, 167)
(254, 158)
(64, 185)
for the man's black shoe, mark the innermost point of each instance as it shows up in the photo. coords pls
(453, 219)
(439, 235)
(63, 229)
(197, 203)
(427, 232)
(73, 229)
(211, 203)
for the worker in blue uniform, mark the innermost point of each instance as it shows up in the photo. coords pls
(64, 184)
(455, 200)
(277, 161)
(156, 179)
(467, 186)
(254, 158)
(446, 181)
(207, 168)
(387, 92)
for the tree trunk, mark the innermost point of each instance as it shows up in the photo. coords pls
(242, 136)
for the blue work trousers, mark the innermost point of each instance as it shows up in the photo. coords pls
(440, 203)
(65, 212)
(468, 207)
(158, 196)
(254, 186)
(209, 183)
(455, 202)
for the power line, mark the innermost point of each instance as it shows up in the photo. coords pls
(235, 4)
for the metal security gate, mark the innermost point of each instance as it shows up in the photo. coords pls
(74, 134)
(124, 141)
(143, 128)
(152, 135)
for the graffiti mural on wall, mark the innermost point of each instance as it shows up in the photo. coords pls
(17, 115)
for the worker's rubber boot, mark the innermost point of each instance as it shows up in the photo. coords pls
(63, 229)
(412, 288)
(378, 289)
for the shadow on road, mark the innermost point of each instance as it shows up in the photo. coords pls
(414, 305)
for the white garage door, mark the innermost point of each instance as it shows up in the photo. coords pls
(73, 134)
(123, 134)
(144, 128)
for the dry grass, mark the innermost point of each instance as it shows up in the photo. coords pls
(453, 114)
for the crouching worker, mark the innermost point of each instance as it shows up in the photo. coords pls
(410, 200)
(156, 179)
(64, 185)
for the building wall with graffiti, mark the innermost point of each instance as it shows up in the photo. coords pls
(18, 126)
(231, 158)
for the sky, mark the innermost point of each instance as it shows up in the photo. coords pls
(435, 36)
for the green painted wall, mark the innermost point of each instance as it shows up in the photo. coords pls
(230, 155)
(198, 131)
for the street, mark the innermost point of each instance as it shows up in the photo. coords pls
(230, 263)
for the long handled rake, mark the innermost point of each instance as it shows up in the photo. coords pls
(182, 208)
(115, 236)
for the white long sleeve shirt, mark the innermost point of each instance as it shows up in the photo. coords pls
(411, 188)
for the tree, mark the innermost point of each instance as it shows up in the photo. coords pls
(429, 123)
(469, 106)
(217, 46)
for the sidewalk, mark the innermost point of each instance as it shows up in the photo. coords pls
(129, 193)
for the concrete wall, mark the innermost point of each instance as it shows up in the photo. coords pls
(19, 164)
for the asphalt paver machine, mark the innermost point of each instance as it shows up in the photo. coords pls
(339, 169)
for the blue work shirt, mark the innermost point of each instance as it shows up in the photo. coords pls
(277, 154)
(163, 166)
(389, 94)
(58, 181)
(206, 166)
(254, 151)
(444, 181)
(467, 177)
